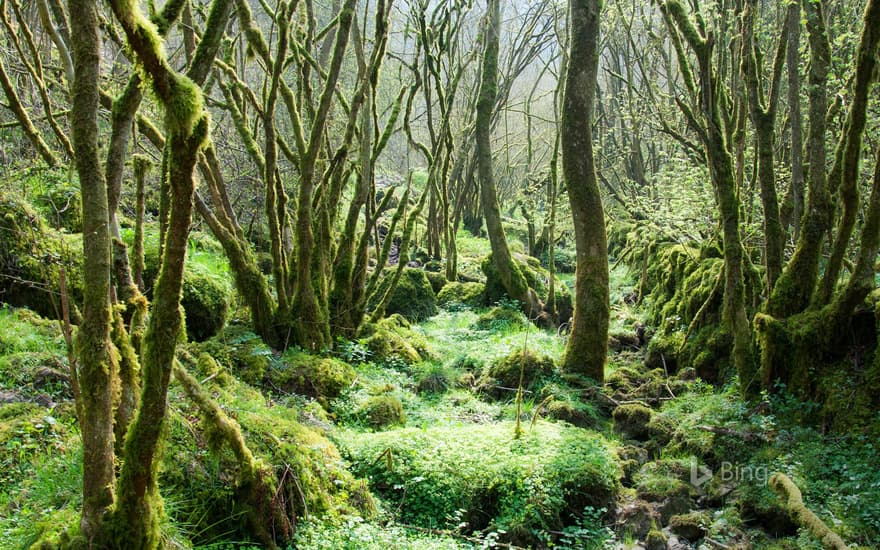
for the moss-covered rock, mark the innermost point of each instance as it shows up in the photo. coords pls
(438, 280)
(537, 278)
(501, 319)
(690, 526)
(381, 411)
(413, 297)
(655, 540)
(323, 378)
(241, 352)
(631, 421)
(503, 377)
(32, 255)
(468, 294)
(574, 412)
(393, 337)
(664, 479)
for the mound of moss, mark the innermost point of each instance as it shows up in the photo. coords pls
(413, 297)
(467, 294)
(522, 366)
(323, 378)
(381, 411)
(201, 476)
(394, 337)
(207, 289)
(631, 421)
(483, 476)
(32, 255)
(501, 319)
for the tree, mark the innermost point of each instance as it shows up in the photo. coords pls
(586, 350)
(509, 273)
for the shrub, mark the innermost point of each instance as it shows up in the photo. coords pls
(467, 294)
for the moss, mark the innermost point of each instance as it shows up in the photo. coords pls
(664, 479)
(308, 475)
(691, 526)
(381, 411)
(783, 486)
(393, 337)
(501, 319)
(480, 474)
(468, 294)
(323, 378)
(631, 421)
(413, 297)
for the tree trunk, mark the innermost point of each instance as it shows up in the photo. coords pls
(96, 362)
(587, 345)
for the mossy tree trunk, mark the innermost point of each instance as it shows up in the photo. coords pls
(587, 345)
(508, 272)
(95, 358)
(713, 133)
(138, 509)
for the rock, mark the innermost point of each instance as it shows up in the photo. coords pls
(673, 506)
(10, 397)
(637, 517)
(674, 543)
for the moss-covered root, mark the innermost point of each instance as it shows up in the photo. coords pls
(255, 480)
(785, 488)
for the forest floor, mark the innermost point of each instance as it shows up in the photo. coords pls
(454, 455)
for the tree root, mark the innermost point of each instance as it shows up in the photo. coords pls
(785, 488)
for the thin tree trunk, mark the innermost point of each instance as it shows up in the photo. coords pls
(587, 346)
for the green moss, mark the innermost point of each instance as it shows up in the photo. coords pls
(206, 485)
(323, 378)
(665, 479)
(413, 297)
(382, 411)
(438, 280)
(574, 412)
(467, 294)
(631, 421)
(519, 366)
(207, 289)
(393, 337)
